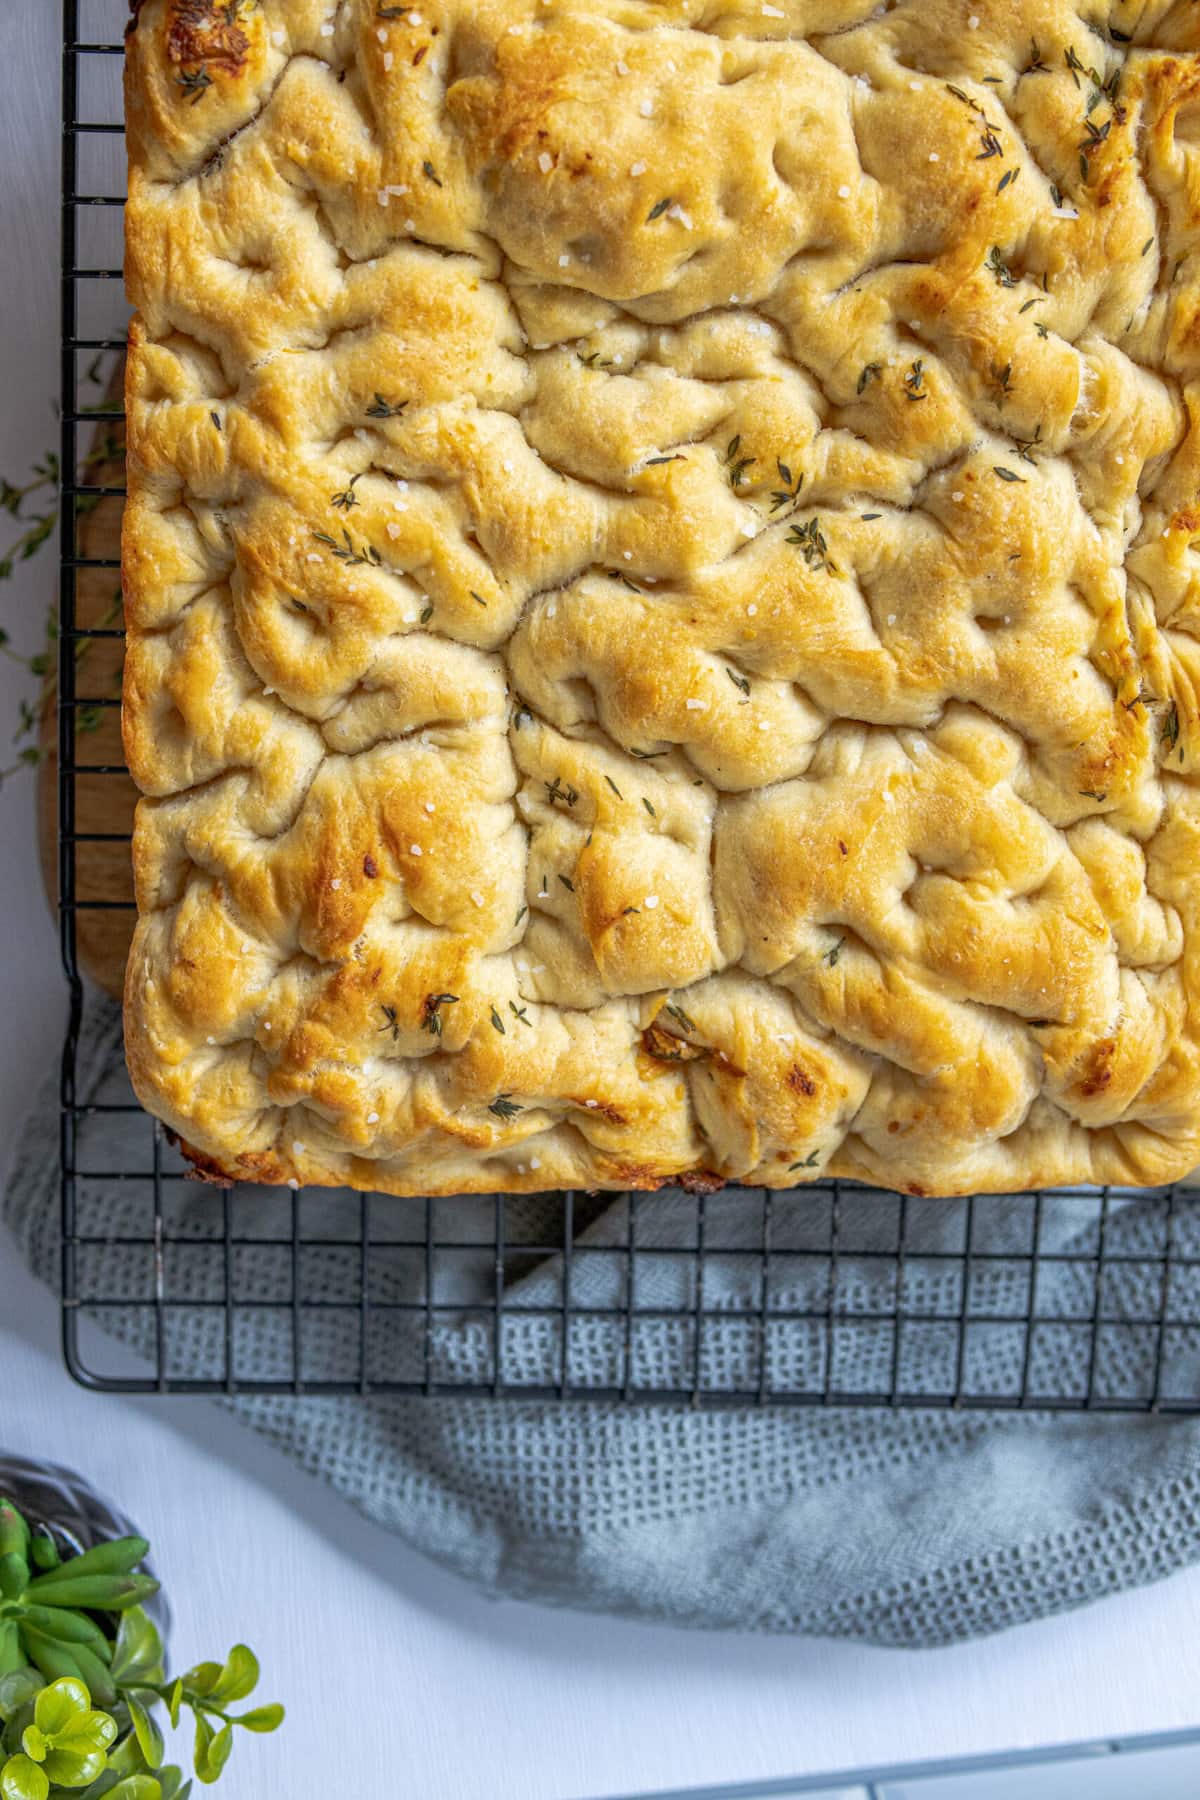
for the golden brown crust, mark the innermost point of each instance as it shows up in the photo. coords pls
(663, 578)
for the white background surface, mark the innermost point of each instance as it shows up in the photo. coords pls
(432, 1692)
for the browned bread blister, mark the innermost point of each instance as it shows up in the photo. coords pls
(663, 579)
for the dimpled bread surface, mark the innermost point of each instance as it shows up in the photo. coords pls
(663, 584)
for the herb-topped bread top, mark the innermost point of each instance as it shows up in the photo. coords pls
(663, 579)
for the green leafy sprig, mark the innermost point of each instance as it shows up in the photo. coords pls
(82, 1677)
(32, 504)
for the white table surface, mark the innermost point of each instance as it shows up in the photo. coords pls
(453, 1697)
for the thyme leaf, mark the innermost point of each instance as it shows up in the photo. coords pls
(431, 1012)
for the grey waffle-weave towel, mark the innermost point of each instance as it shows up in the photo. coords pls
(900, 1527)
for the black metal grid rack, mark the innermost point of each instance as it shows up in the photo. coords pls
(831, 1295)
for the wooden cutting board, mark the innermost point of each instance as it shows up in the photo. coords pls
(103, 803)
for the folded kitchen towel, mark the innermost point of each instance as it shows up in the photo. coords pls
(907, 1527)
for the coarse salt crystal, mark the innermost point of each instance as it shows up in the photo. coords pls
(563, 263)
(771, 12)
(535, 1162)
(934, 157)
(372, 1118)
(622, 68)
(336, 883)
(650, 902)
(958, 498)
(430, 807)
(381, 32)
(545, 162)
(637, 168)
(752, 609)
(891, 618)
(388, 61)
(843, 192)
(327, 29)
(414, 849)
(647, 109)
(476, 897)
(696, 706)
(392, 529)
(764, 725)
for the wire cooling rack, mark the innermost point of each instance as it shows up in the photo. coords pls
(1071, 1299)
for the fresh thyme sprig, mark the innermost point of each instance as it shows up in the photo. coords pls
(790, 491)
(33, 505)
(195, 83)
(346, 497)
(999, 268)
(737, 464)
(431, 1012)
(347, 552)
(809, 539)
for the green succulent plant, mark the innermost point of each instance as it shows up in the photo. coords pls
(82, 1677)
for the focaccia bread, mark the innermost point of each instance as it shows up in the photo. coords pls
(663, 583)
